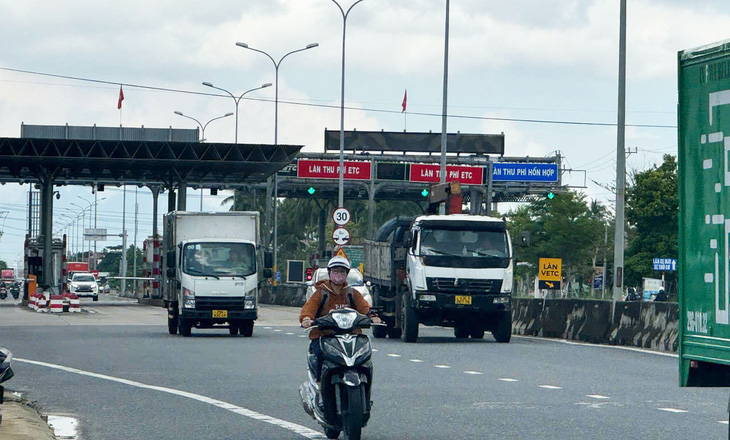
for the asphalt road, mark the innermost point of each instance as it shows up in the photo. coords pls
(135, 381)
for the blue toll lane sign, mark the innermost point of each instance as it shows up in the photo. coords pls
(664, 264)
(525, 172)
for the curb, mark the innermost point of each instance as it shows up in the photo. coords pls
(22, 421)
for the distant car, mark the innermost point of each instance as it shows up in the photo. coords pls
(84, 284)
(354, 279)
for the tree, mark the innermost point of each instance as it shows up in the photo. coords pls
(652, 213)
(3, 265)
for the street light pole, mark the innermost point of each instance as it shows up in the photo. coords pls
(236, 100)
(340, 199)
(276, 139)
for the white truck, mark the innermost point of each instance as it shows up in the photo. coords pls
(213, 266)
(448, 270)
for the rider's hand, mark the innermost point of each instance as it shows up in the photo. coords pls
(306, 323)
(376, 320)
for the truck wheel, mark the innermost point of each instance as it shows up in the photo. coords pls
(503, 332)
(172, 323)
(232, 329)
(246, 328)
(380, 332)
(185, 328)
(410, 320)
(461, 332)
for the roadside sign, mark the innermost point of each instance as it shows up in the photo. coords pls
(664, 264)
(95, 234)
(525, 172)
(341, 236)
(330, 169)
(598, 281)
(341, 253)
(341, 216)
(465, 174)
(96, 273)
(549, 274)
(652, 286)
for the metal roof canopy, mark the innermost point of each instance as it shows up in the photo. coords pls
(418, 142)
(85, 162)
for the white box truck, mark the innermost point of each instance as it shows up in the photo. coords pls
(213, 266)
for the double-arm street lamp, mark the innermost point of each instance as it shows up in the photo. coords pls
(340, 199)
(276, 135)
(236, 100)
(202, 127)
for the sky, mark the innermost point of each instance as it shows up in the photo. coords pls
(553, 62)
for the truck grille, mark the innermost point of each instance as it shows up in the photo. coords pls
(215, 303)
(463, 285)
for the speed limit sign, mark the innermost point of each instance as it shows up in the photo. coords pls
(341, 216)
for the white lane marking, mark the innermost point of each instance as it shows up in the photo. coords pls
(288, 333)
(550, 387)
(418, 361)
(302, 336)
(724, 422)
(597, 396)
(471, 372)
(277, 330)
(507, 379)
(293, 427)
(673, 410)
(393, 355)
(441, 366)
(267, 328)
(585, 344)
(375, 349)
(64, 427)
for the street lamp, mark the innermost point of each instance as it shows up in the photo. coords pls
(202, 127)
(276, 133)
(341, 200)
(237, 100)
(83, 223)
(95, 204)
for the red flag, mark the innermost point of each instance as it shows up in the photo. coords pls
(405, 98)
(121, 97)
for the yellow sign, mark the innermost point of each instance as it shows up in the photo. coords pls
(341, 253)
(550, 269)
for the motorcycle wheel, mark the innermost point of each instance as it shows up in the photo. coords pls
(477, 334)
(394, 333)
(380, 332)
(353, 418)
(331, 433)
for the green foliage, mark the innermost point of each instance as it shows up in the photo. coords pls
(652, 213)
(3, 265)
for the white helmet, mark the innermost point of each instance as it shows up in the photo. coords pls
(338, 261)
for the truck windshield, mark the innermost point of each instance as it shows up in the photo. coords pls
(219, 259)
(461, 243)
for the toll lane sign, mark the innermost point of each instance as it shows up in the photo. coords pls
(549, 275)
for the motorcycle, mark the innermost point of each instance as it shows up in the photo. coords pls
(15, 291)
(6, 372)
(346, 375)
(3, 292)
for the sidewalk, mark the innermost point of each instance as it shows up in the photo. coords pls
(21, 421)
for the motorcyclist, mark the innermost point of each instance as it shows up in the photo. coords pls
(331, 294)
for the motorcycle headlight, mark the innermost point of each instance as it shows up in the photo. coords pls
(345, 320)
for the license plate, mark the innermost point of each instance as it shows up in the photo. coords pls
(220, 313)
(460, 299)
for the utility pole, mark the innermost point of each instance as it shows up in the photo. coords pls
(618, 255)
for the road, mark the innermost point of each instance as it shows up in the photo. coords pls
(123, 376)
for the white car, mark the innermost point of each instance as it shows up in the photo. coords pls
(354, 279)
(84, 284)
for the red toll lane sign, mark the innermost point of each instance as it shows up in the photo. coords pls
(456, 173)
(329, 169)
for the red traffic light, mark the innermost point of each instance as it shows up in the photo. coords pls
(309, 273)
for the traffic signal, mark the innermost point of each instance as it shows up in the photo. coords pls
(311, 190)
(424, 193)
(309, 273)
(551, 195)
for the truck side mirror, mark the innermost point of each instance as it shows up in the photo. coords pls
(268, 260)
(268, 273)
(170, 257)
(407, 239)
(171, 272)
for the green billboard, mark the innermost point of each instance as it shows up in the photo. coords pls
(704, 217)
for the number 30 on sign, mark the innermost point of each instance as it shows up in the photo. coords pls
(341, 216)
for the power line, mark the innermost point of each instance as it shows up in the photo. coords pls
(331, 106)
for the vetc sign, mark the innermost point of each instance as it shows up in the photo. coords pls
(549, 276)
(466, 175)
(329, 169)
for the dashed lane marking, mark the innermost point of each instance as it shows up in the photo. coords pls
(472, 372)
(724, 422)
(293, 427)
(673, 410)
(507, 379)
(277, 330)
(418, 361)
(393, 355)
(289, 333)
(375, 349)
(267, 328)
(441, 366)
(551, 387)
(597, 396)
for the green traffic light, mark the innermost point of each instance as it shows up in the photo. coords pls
(551, 195)
(311, 190)
(424, 193)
